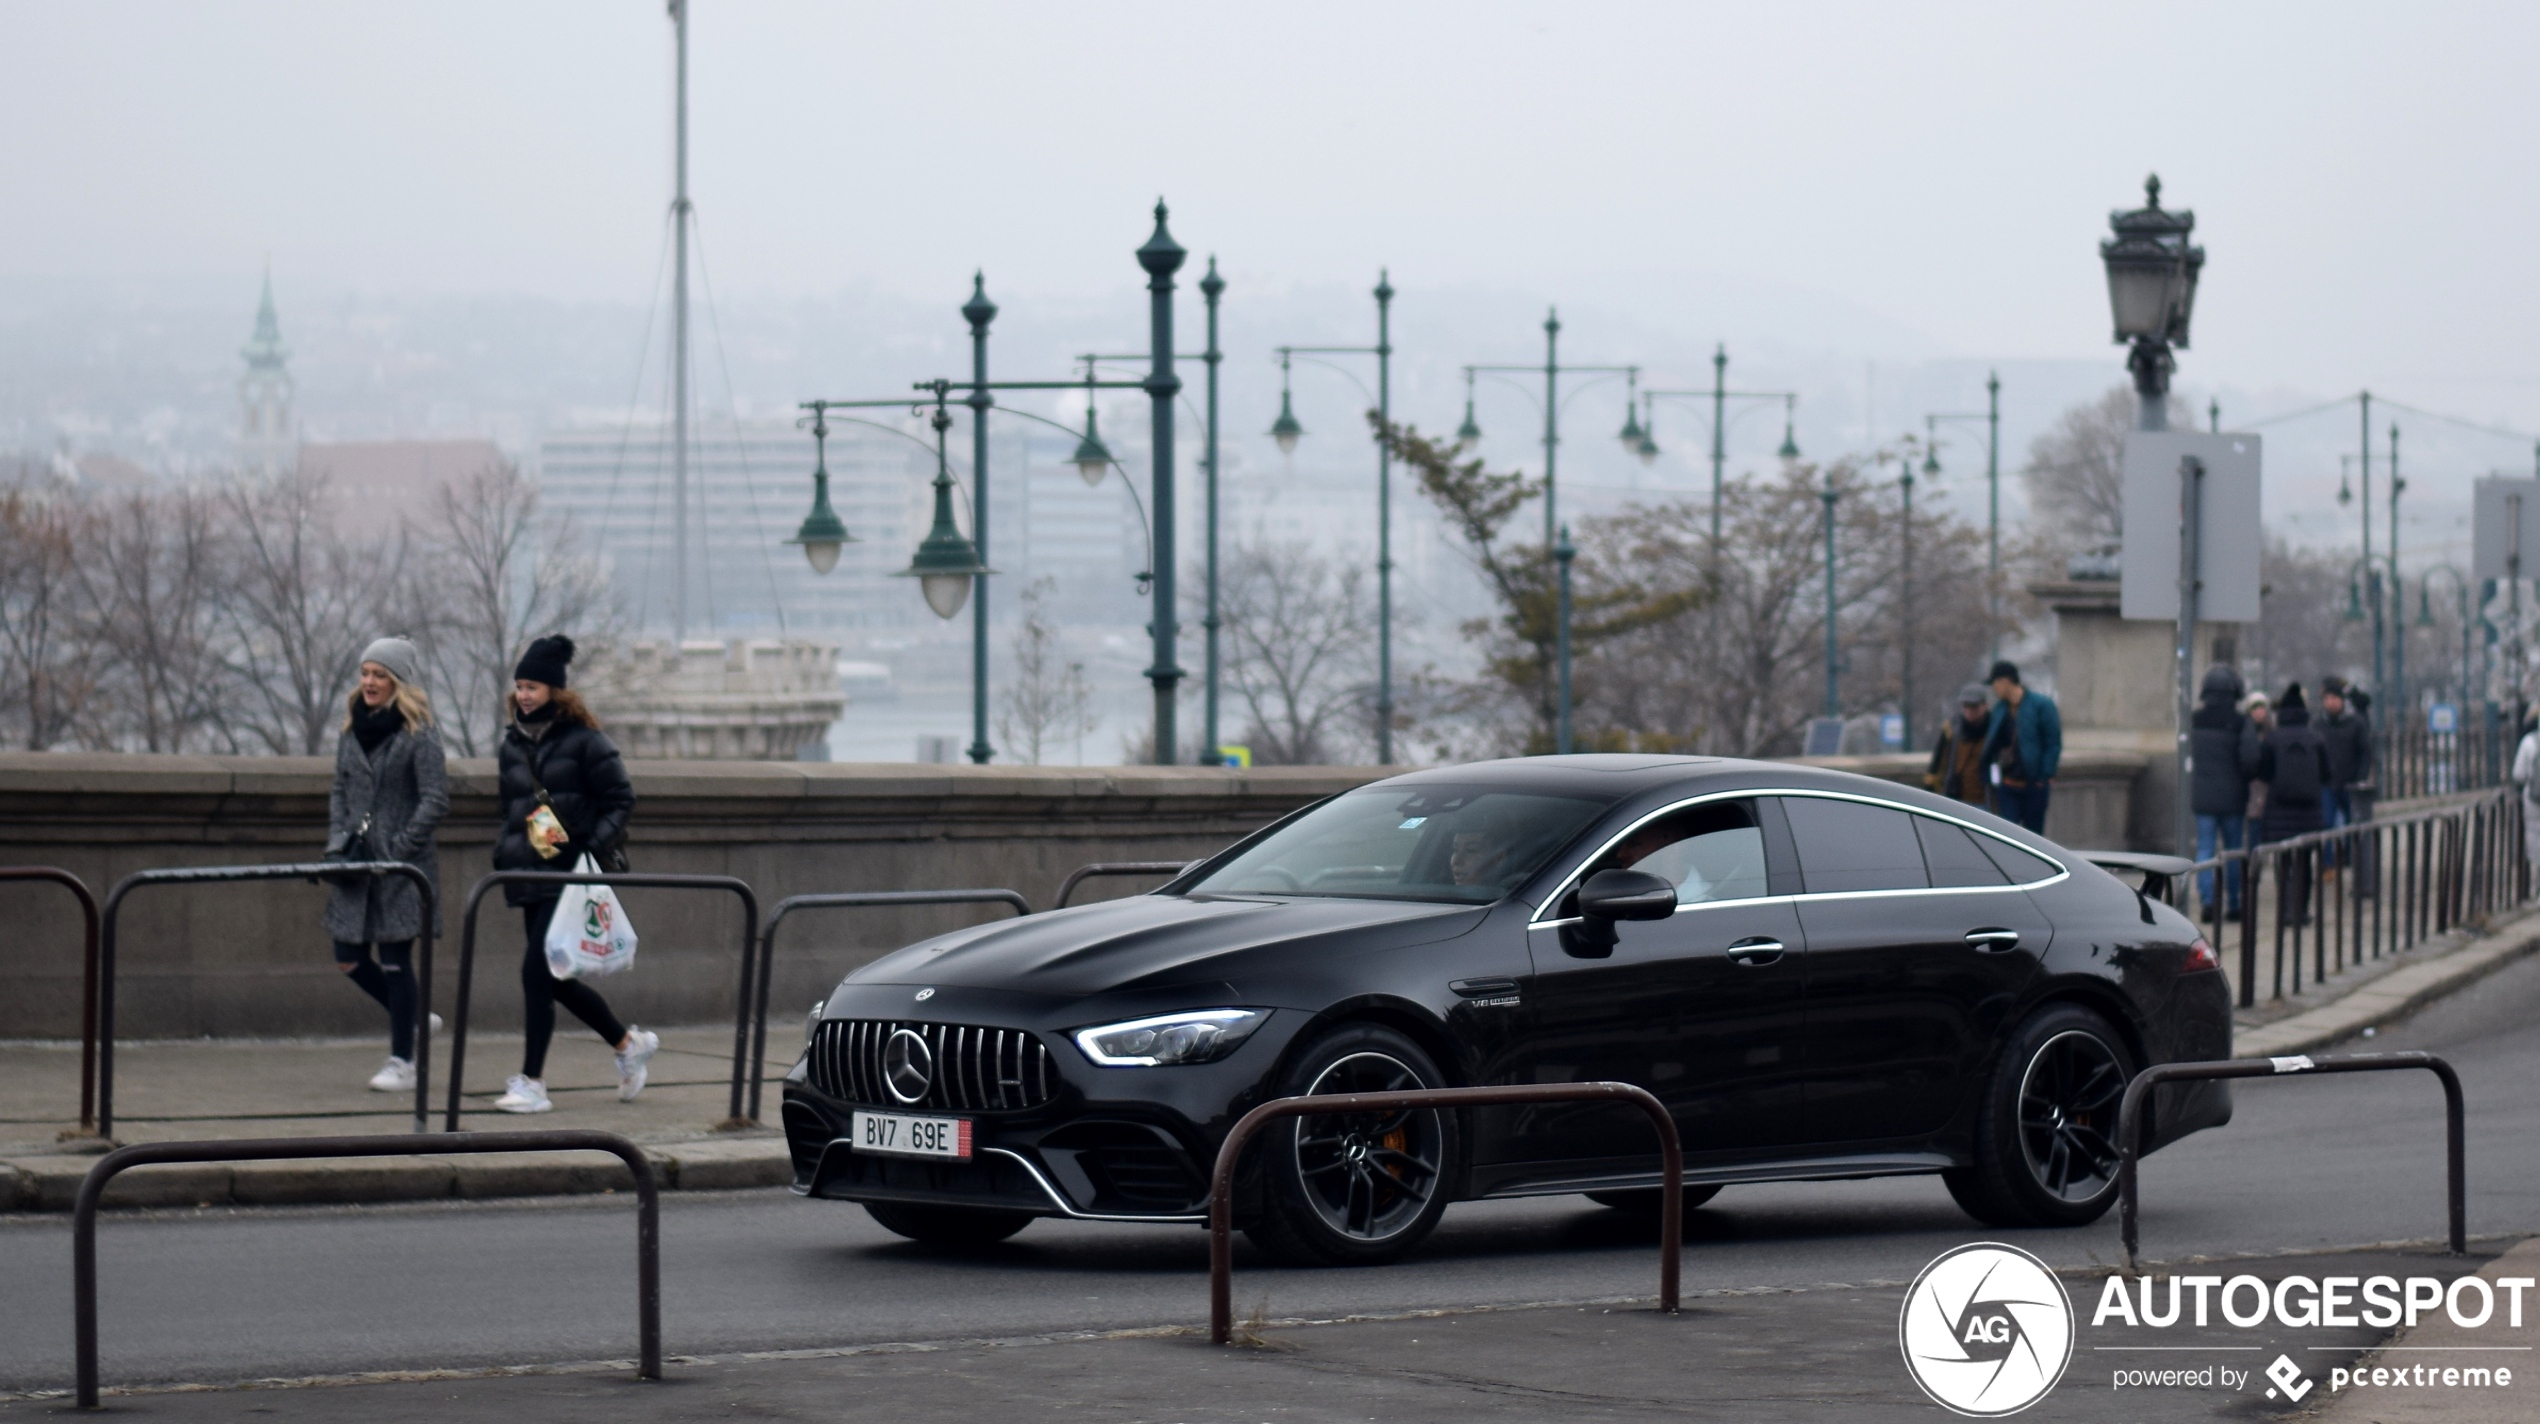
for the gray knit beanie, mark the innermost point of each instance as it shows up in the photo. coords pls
(400, 656)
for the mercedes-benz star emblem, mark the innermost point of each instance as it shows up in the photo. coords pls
(908, 1066)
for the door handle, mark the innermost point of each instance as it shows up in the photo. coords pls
(1755, 953)
(1993, 941)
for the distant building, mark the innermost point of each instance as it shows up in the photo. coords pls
(749, 488)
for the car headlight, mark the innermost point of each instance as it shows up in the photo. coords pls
(811, 1021)
(1196, 1037)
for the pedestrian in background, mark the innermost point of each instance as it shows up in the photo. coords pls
(564, 792)
(2526, 764)
(2024, 745)
(2223, 756)
(2348, 736)
(2293, 762)
(1957, 759)
(390, 793)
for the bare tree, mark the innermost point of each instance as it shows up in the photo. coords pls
(2076, 471)
(1047, 699)
(492, 576)
(305, 601)
(48, 663)
(156, 575)
(1299, 629)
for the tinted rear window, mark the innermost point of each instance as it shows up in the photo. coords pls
(2024, 867)
(1850, 845)
(1953, 857)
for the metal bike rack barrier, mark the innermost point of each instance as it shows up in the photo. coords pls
(225, 874)
(842, 900)
(560, 879)
(269, 1149)
(88, 986)
(1221, 1189)
(1105, 868)
(2130, 1121)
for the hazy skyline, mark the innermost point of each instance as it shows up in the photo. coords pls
(1877, 182)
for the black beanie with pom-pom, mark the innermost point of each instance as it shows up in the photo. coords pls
(547, 660)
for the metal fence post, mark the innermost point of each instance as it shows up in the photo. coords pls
(88, 981)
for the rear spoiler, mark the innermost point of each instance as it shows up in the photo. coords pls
(2164, 877)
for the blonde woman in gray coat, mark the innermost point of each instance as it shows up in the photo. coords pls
(390, 794)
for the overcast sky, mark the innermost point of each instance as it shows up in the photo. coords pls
(2362, 174)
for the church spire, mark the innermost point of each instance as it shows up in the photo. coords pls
(267, 443)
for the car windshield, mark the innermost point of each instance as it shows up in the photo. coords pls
(1450, 844)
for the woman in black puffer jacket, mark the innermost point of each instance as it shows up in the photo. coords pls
(555, 759)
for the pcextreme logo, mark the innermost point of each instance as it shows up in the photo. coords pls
(1987, 1330)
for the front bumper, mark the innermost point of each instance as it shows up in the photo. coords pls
(1110, 1144)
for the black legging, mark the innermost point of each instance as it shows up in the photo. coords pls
(541, 991)
(391, 981)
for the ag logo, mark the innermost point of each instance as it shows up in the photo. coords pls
(1986, 1330)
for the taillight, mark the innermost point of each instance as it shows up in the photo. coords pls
(2200, 956)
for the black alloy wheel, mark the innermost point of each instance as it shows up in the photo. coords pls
(1355, 1188)
(2046, 1133)
(951, 1227)
(2068, 1115)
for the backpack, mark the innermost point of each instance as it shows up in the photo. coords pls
(2299, 773)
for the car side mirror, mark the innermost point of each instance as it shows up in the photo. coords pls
(1627, 895)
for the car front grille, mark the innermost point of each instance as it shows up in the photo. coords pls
(975, 1069)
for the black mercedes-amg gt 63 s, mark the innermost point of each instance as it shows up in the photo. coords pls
(1822, 976)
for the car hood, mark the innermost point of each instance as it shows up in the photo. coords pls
(1154, 941)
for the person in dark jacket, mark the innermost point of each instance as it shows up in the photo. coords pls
(389, 796)
(2293, 762)
(2347, 729)
(1957, 759)
(564, 793)
(2025, 745)
(2223, 757)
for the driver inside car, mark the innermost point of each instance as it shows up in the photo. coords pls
(1480, 853)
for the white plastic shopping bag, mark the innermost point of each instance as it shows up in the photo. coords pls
(590, 934)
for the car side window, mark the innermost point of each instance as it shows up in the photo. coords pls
(1712, 852)
(1952, 855)
(1853, 846)
(2025, 867)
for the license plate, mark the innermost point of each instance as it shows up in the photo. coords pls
(894, 1135)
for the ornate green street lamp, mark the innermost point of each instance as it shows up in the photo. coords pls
(1470, 432)
(1092, 458)
(2152, 273)
(822, 533)
(946, 562)
(1285, 429)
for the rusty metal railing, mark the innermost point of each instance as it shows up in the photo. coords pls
(266, 1149)
(1221, 1192)
(88, 985)
(2130, 1117)
(1113, 869)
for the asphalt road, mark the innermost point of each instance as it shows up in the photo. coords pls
(243, 1294)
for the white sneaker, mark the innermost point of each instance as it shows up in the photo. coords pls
(523, 1095)
(640, 1046)
(397, 1075)
(436, 1024)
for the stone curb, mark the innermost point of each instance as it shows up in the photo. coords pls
(2391, 996)
(718, 1164)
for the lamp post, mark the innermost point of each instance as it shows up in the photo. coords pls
(1719, 396)
(1834, 691)
(1991, 415)
(979, 311)
(2345, 463)
(1287, 432)
(1553, 538)
(2152, 273)
(1905, 610)
(1562, 554)
(1211, 287)
(2398, 595)
(2425, 617)
(1161, 256)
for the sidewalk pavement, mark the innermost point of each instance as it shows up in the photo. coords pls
(1756, 1356)
(196, 1089)
(2438, 1341)
(209, 1089)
